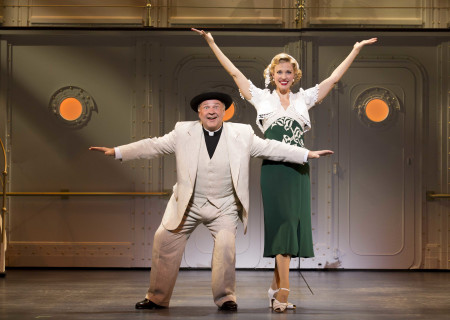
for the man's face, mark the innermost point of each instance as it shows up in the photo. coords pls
(211, 113)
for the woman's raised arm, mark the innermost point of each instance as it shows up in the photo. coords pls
(326, 85)
(238, 76)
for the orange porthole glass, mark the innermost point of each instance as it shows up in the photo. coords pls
(377, 110)
(72, 106)
(229, 113)
(70, 109)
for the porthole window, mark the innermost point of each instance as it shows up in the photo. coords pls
(377, 107)
(229, 113)
(72, 106)
(70, 109)
(377, 110)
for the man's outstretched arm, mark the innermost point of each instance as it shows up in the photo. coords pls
(279, 151)
(143, 149)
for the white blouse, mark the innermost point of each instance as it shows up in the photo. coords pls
(269, 109)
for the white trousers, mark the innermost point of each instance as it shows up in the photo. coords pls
(168, 248)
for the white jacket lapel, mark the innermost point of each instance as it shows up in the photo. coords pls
(192, 150)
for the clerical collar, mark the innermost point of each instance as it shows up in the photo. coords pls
(212, 133)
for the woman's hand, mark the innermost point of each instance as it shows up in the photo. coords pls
(326, 85)
(318, 154)
(207, 36)
(107, 151)
(358, 46)
(234, 72)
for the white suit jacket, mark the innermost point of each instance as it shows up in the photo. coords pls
(185, 142)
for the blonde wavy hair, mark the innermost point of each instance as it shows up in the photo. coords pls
(281, 57)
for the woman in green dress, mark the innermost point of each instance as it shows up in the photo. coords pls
(283, 115)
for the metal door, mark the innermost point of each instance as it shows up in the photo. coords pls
(375, 169)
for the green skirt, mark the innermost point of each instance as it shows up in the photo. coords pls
(286, 193)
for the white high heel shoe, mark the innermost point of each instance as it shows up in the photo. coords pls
(280, 306)
(271, 293)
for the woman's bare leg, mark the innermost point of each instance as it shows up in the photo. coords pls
(276, 278)
(282, 267)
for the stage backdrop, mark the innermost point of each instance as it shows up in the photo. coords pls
(369, 208)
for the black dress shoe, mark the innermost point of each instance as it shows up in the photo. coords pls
(228, 306)
(147, 304)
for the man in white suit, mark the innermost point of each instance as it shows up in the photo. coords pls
(212, 188)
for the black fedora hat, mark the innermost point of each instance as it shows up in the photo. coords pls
(223, 97)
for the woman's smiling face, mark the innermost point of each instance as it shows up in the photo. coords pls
(283, 75)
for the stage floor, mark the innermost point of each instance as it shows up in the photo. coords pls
(111, 294)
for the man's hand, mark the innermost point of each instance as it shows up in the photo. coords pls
(107, 151)
(318, 154)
